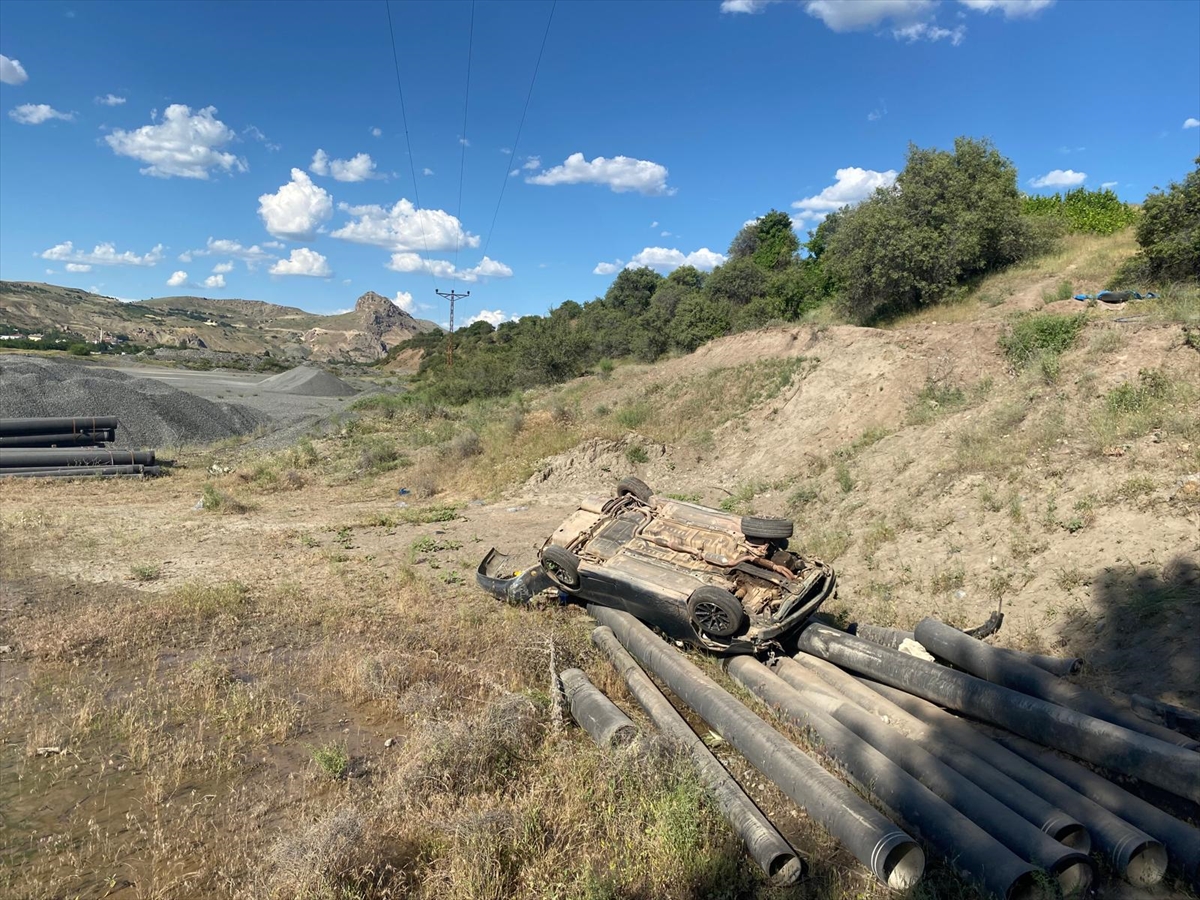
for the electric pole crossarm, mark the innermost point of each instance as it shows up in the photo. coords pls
(451, 296)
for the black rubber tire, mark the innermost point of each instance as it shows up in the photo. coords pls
(562, 566)
(716, 612)
(766, 528)
(631, 484)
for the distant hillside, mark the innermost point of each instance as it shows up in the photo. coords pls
(241, 326)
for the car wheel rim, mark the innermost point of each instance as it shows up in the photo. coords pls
(712, 618)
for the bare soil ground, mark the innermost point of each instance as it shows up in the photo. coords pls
(271, 674)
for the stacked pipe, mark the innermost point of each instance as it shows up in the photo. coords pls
(71, 447)
(1005, 741)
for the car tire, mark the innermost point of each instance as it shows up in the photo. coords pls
(766, 528)
(634, 486)
(716, 612)
(562, 566)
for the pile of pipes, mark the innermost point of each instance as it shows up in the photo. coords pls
(69, 447)
(953, 742)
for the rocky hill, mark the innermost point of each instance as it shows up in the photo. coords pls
(240, 326)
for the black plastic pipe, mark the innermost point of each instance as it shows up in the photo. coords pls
(79, 439)
(964, 843)
(979, 659)
(1156, 762)
(1065, 829)
(595, 713)
(893, 637)
(45, 458)
(767, 847)
(1181, 840)
(890, 854)
(1174, 717)
(84, 472)
(56, 424)
(1138, 857)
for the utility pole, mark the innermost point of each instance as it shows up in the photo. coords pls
(451, 296)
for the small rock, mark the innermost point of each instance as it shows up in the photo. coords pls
(476, 503)
(6, 648)
(389, 742)
(402, 505)
(960, 594)
(516, 509)
(1099, 626)
(199, 505)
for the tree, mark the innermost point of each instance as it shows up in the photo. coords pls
(699, 319)
(632, 289)
(1169, 231)
(745, 243)
(688, 276)
(737, 282)
(949, 217)
(777, 241)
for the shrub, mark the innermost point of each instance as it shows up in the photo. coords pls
(1169, 231)
(1083, 211)
(465, 444)
(637, 454)
(1029, 337)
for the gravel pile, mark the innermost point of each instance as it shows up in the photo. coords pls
(305, 381)
(151, 413)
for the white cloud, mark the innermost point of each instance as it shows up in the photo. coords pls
(875, 115)
(376, 132)
(11, 71)
(251, 256)
(102, 255)
(427, 171)
(77, 267)
(177, 279)
(1059, 178)
(607, 268)
(303, 261)
(492, 316)
(532, 162)
(110, 100)
(256, 133)
(214, 281)
(1012, 9)
(464, 142)
(405, 301)
(297, 209)
(863, 14)
(359, 168)
(1109, 185)
(443, 268)
(926, 31)
(182, 145)
(743, 6)
(1191, 122)
(852, 185)
(222, 268)
(621, 173)
(670, 259)
(37, 113)
(664, 234)
(404, 227)
(654, 224)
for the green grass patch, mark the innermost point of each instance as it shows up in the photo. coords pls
(1031, 337)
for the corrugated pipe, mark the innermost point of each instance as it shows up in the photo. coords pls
(1156, 762)
(964, 844)
(979, 659)
(890, 854)
(1138, 857)
(765, 844)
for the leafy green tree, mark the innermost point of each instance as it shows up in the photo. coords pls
(745, 243)
(698, 319)
(632, 289)
(688, 276)
(1169, 231)
(737, 282)
(778, 245)
(758, 312)
(800, 288)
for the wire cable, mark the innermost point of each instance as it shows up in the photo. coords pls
(462, 165)
(408, 142)
(513, 155)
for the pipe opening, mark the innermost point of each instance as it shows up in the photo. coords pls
(785, 869)
(1030, 886)
(1075, 878)
(1074, 836)
(904, 865)
(1147, 864)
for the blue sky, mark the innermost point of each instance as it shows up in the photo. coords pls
(150, 149)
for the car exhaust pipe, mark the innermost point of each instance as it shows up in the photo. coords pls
(1156, 762)
(1181, 840)
(1072, 868)
(965, 845)
(891, 855)
(595, 713)
(894, 637)
(1033, 807)
(1139, 858)
(980, 659)
(765, 844)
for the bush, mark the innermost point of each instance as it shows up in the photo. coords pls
(1029, 337)
(699, 319)
(1169, 232)
(1083, 211)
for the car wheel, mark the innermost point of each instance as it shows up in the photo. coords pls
(766, 528)
(716, 612)
(635, 486)
(562, 566)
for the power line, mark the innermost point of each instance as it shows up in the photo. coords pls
(520, 127)
(408, 141)
(462, 166)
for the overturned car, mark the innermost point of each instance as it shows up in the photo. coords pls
(722, 582)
